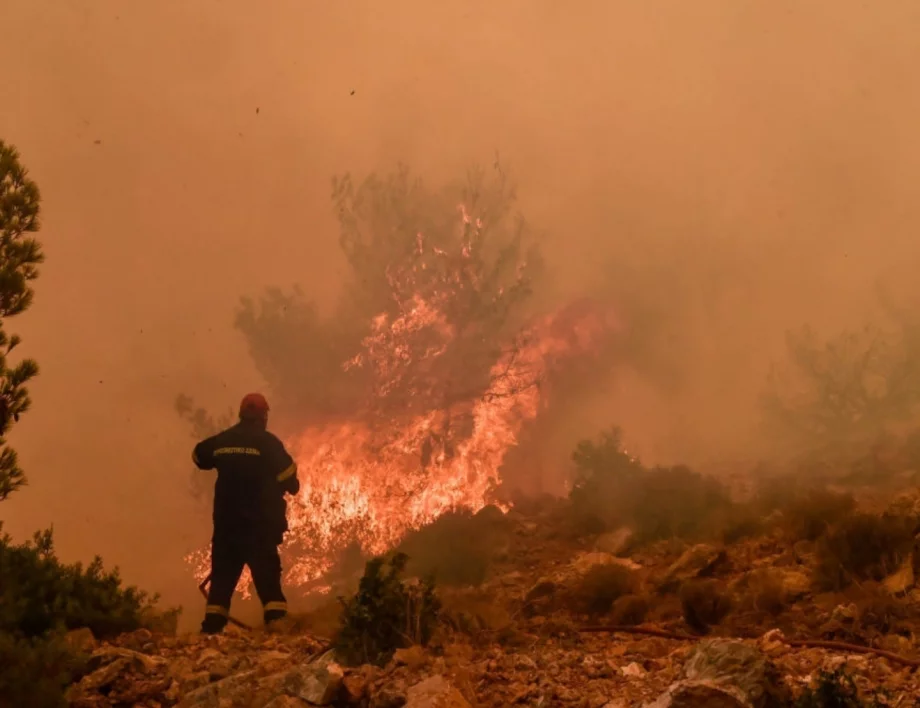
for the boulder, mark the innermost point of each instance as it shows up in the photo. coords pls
(698, 561)
(700, 694)
(903, 579)
(586, 561)
(724, 673)
(317, 683)
(615, 542)
(435, 692)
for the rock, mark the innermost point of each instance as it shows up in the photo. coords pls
(317, 683)
(388, 698)
(81, 640)
(435, 692)
(414, 657)
(701, 694)
(845, 613)
(286, 702)
(234, 690)
(698, 561)
(633, 670)
(125, 657)
(734, 665)
(796, 583)
(615, 542)
(585, 561)
(543, 588)
(902, 579)
(522, 662)
(354, 688)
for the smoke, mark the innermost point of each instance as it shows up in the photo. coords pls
(721, 172)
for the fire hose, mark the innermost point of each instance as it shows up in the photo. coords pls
(232, 620)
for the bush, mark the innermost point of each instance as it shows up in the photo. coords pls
(809, 515)
(863, 547)
(835, 689)
(35, 672)
(386, 613)
(630, 610)
(456, 549)
(41, 598)
(600, 587)
(39, 594)
(764, 592)
(612, 490)
(704, 604)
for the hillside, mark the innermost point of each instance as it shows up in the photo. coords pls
(538, 630)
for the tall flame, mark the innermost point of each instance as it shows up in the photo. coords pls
(369, 482)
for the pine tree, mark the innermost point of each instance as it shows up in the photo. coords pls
(20, 255)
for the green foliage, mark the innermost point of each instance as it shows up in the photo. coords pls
(20, 255)
(386, 613)
(612, 489)
(456, 549)
(863, 547)
(603, 584)
(39, 594)
(835, 689)
(35, 672)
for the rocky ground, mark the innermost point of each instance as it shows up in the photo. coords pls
(520, 640)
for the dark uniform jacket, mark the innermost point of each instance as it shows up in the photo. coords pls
(254, 471)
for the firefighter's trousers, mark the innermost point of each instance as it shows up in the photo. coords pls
(230, 552)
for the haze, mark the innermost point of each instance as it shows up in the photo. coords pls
(765, 150)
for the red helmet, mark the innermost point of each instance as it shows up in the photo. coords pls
(253, 405)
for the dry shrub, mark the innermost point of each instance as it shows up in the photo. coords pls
(878, 611)
(811, 514)
(600, 587)
(740, 524)
(612, 490)
(764, 592)
(457, 548)
(863, 547)
(630, 610)
(473, 612)
(705, 603)
(322, 620)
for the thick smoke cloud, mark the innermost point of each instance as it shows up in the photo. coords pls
(725, 171)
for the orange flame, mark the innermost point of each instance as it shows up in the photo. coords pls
(361, 485)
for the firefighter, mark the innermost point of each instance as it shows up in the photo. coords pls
(254, 471)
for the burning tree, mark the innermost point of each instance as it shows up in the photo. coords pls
(20, 255)
(404, 401)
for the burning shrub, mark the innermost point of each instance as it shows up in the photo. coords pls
(704, 604)
(863, 547)
(612, 489)
(455, 549)
(600, 587)
(386, 614)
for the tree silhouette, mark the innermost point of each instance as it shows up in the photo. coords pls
(20, 255)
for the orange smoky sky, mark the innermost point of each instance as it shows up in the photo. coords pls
(764, 151)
